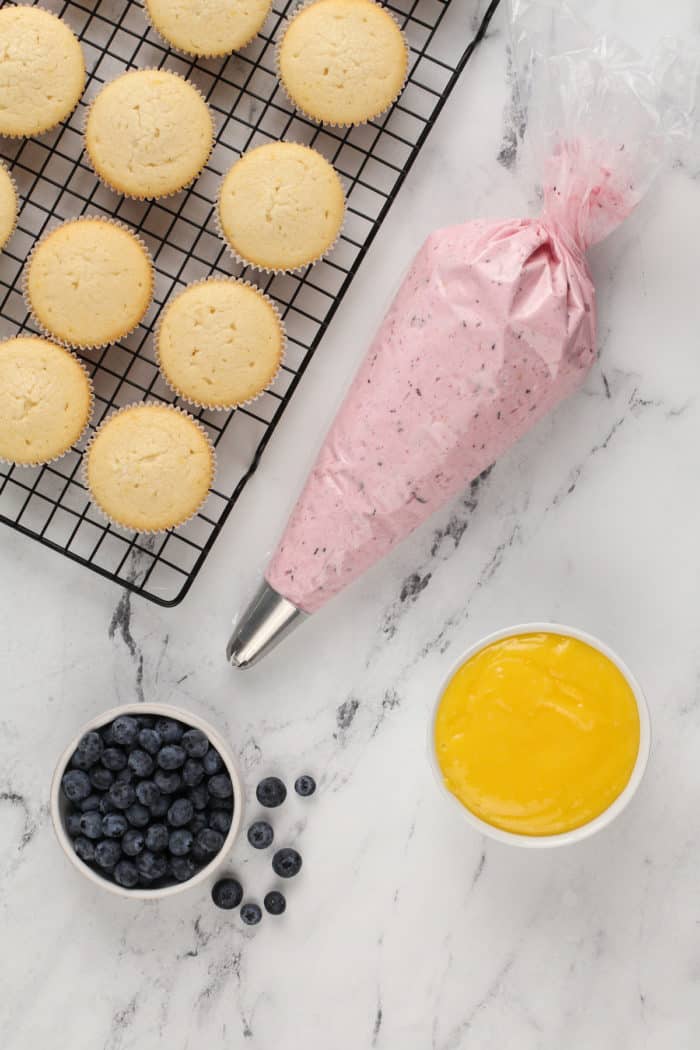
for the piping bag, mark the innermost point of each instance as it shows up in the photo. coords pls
(492, 327)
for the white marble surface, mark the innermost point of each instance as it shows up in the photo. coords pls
(405, 928)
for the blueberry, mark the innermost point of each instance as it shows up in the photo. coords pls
(91, 802)
(180, 813)
(91, 824)
(200, 855)
(160, 806)
(192, 772)
(171, 756)
(286, 863)
(138, 815)
(219, 820)
(170, 731)
(151, 866)
(209, 841)
(114, 825)
(107, 735)
(133, 842)
(251, 914)
(73, 824)
(224, 803)
(147, 792)
(157, 838)
(199, 796)
(76, 785)
(198, 822)
(227, 893)
(180, 842)
(275, 902)
(141, 763)
(195, 743)
(107, 853)
(260, 834)
(220, 786)
(85, 849)
(305, 785)
(168, 782)
(125, 730)
(122, 795)
(183, 868)
(126, 874)
(124, 776)
(88, 751)
(146, 721)
(101, 778)
(113, 758)
(150, 740)
(106, 806)
(212, 762)
(271, 792)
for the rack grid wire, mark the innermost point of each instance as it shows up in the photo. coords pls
(50, 503)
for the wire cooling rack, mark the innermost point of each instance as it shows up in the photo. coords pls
(55, 182)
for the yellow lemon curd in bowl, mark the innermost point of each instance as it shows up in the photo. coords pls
(537, 734)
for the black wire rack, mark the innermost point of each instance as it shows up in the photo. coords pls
(55, 182)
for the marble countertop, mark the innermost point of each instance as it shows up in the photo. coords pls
(405, 928)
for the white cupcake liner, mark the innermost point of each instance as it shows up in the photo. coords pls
(117, 189)
(50, 127)
(6, 168)
(201, 54)
(334, 123)
(91, 405)
(86, 457)
(203, 404)
(53, 226)
(241, 259)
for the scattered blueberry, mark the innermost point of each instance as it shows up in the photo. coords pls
(271, 792)
(133, 842)
(168, 783)
(209, 841)
(85, 849)
(251, 914)
(286, 863)
(220, 786)
(150, 740)
(180, 842)
(107, 853)
(198, 822)
(227, 893)
(199, 796)
(126, 874)
(125, 729)
(122, 795)
(138, 815)
(180, 813)
(305, 785)
(76, 785)
(91, 802)
(275, 902)
(114, 825)
(73, 824)
(101, 778)
(141, 762)
(219, 820)
(183, 868)
(113, 758)
(195, 743)
(212, 762)
(147, 792)
(260, 834)
(151, 866)
(170, 731)
(157, 838)
(192, 772)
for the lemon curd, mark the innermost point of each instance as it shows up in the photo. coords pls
(537, 734)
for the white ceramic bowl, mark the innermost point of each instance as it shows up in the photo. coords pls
(59, 804)
(614, 809)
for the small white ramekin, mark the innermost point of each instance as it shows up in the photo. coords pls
(614, 809)
(59, 805)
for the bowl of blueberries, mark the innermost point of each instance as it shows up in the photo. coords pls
(147, 801)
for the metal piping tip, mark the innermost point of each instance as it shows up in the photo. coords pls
(268, 619)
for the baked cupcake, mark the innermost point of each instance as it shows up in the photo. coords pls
(208, 28)
(220, 343)
(148, 133)
(45, 400)
(89, 282)
(8, 205)
(42, 71)
(281, 206)
(343, 61)
(149, 467)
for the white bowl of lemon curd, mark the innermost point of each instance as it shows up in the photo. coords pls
(540, 735)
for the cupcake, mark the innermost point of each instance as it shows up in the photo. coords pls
(208, 28)
(148, 133)
(343, 61)
(220, 343)
(281, 206)
(45, 400)
(149, 467)
(8, 204)
(42, 71)
(89, 282)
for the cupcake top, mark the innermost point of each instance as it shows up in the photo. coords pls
(45, 400)
(42, 71)
(343, 61)
(208, 27)
(148, 133)
(281, 206)
(220, 343)
(149, 467)
(89, 282)
(8, 205)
